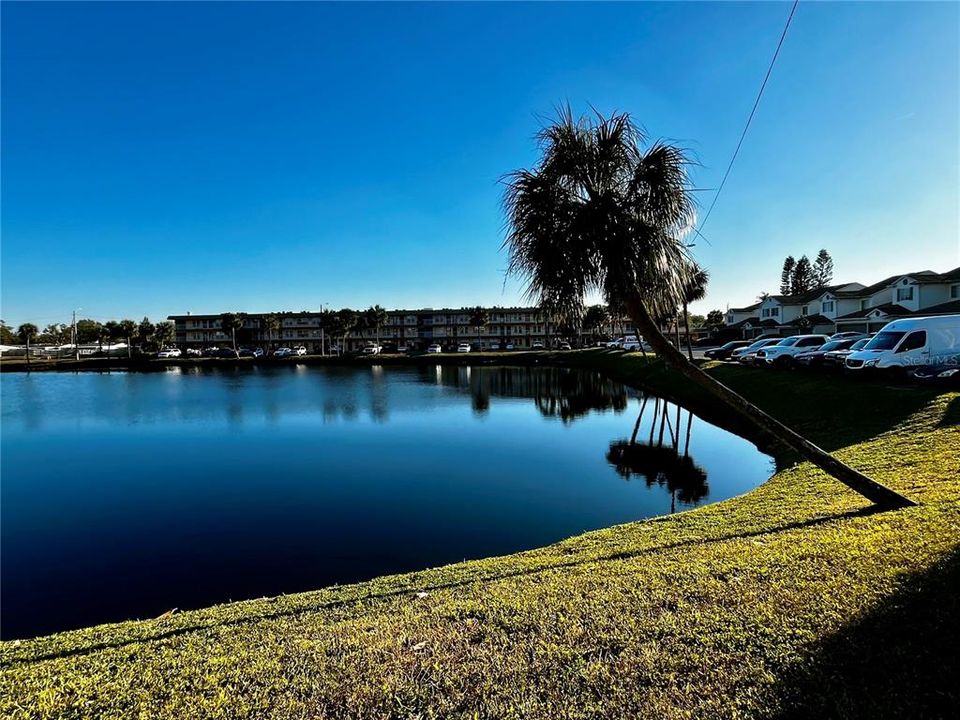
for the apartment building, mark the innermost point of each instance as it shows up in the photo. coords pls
(519, 326)
(851, 306)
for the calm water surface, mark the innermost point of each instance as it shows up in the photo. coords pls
(125, 495)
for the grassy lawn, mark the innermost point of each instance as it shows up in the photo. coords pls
(794, 600)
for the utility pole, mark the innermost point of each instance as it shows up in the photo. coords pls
(76, 345)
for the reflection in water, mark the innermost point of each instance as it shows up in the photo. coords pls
(557, 392)
(660, 463)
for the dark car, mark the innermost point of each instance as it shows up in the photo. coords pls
(227, 354)
(725, 351)
(815, 358)
(834, 359)
(251, 352)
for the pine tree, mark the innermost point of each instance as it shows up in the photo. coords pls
(786, 276)
(803, 278)
(822, 269)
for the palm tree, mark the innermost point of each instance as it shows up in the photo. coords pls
(272, 323)
(230, 323)
(26, 333)
(375, 317)
(345, 322)
(594, 318)
(606, 211)
(114, 333)
(127, 330)
(694, 290)
(145, 331)
(479, 319)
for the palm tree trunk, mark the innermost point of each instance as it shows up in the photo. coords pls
(766, 425)
(129, 348)
(686, 326)
(233, 334)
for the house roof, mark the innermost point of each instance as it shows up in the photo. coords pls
(801, 298)
(810, 321)
(947, 308)
(887, 308)
(748, 308)
(921, 276)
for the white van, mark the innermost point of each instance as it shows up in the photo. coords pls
(911, 343)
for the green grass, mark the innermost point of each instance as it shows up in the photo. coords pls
(793, 600)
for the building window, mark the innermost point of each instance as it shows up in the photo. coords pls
(803, 310)
(826, 306)
(954, 292)
(905, 293)
(774, 312)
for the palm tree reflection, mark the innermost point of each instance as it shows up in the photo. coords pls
(659, 463)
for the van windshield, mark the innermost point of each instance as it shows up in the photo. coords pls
(884, 341)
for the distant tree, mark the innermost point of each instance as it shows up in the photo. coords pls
(53, 333)
(164, 333)
(26, 333)
(715, 319)
(7, 336)
(114, 333)
(229, 324)
(594, 318)
(145, 331)
(342, 323)
(694, 290)
(272, 324)
(822, 269)
(763, 296)
(479, 319)
(103, 336)
(786, 275)
(88, 331)
(698, 321)
(128, 329)
(803, 280)
(375, 318)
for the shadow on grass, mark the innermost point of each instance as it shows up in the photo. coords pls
(952, 415)
(899, 661)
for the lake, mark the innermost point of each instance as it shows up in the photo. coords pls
(127, 494)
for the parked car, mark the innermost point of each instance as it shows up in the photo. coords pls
(508, 346)
(725, 351)
(434, 348)
(847, 335)
(403, 348)
(283, 352)
(372, 350)
(911, 343)
(564, 346)
(300, 350)
(536, 345)
(750, 351)
(251, 352)
(835, 358)
(784, 353)
(463, 347)
(194, 352)
(815, 358)
(227, 354)
(169, 353)
(210, 351)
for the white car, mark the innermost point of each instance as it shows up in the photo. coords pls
(434, 348)
(194, 352)
(169, 353)
(783, 352)
(752, 349)
(537, 345)
(564, 346)
(463, 348)
(372, 350)
(283, 352)
(911, 343)
(300, 350)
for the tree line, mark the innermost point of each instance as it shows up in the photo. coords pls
(146, 335)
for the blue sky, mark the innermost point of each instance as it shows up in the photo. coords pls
(164, 158)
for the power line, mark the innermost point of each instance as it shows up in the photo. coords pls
(756, 103)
